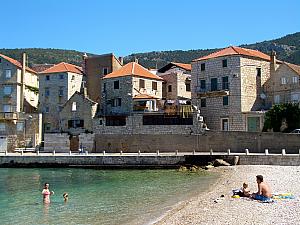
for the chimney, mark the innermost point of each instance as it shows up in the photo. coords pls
(83, 65)
(136, 60)
(121, 60)
(273, 61)
(22, 81)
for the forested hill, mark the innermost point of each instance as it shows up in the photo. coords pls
(287, 48)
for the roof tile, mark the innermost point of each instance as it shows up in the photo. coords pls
(16, 63)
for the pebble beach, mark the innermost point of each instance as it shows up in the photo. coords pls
(211, 208)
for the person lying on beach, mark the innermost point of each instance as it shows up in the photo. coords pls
(46, 193)
(245, 191)
(264, 191)
(66, 196)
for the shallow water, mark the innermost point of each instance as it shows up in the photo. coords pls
(95, 196)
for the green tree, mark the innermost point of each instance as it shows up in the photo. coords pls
(288, 113)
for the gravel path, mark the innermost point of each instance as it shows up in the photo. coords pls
(202, 209)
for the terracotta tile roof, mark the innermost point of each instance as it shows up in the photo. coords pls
(294, 67)
(16, 63)
(183, 65)
(144, 96)
(232, 50)
(63, 67)
(133, 69)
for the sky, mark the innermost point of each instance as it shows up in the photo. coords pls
(133, 26)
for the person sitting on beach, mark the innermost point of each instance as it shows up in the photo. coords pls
(264, 191)
(66, 196)
(46, 193)
(245, 191)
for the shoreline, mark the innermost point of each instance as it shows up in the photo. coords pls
(202, 209)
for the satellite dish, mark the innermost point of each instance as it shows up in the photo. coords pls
(263, 96)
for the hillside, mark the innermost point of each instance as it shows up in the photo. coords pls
(287, 48)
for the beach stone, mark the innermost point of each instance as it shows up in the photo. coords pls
(182, 169)
(208, 167)
(220, 162)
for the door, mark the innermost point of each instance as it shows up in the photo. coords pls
(3, 143)
(253, 124)
(74, 143)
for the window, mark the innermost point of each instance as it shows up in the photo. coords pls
(169, 88)
(61, 92)
(224, 62)
(141, 83)
(47, 77)
(105, 71)
(47, 92)
(283, 80)
(188, 86)
(61, 76)
(258, 72)
(104, 87)
(225, 124)
(295, 80)
(154, 85)
(76, 123)
(116, 102)
(73, 77)
(7, 74)
(225, 100)
(277, 99)
(202, 66)
(47, 109)
(116, 84)
(7, 90)
(74, 107)
(225, 84)
(214, 84)
(295, 97)
(20, 126)
(203, 102)
(203, 84)
(2, 126)
(0, 60)
(7, 108)
(47, 126)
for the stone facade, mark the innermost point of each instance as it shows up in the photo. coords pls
(77, 114)
(284, 85)
(129, 87)
(229, 95)
(95, 68)
(177, 84)
(55, 90)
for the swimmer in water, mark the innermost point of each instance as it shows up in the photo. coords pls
(66, 196)
(46, 193)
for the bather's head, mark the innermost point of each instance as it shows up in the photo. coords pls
(245, 185)
(46, 185)
(259, 178)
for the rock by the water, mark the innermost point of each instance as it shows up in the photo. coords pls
(221, 162)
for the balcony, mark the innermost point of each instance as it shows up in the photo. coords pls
(9, 116)
(213, 89)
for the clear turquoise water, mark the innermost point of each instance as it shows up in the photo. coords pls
(95, 196)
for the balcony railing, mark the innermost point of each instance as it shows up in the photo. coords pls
(210, 87)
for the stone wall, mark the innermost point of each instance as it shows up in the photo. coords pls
(217, 141)
(57, 141)
(87, 141)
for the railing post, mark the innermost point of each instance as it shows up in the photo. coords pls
(157, 152)
(194, 152)
(70, 152)
(283, 151)
(266, 151)
(228, 151)
(299, 151)
(37, 152)
(86, 152)
(176, 152)
(53, 153)
(22, 152)
(139, 152)
(121, 152)
(103, 152)
(5, 153)
(247, 151)
(211, 152)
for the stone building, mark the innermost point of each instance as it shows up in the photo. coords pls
(95, 68)
(130, 89)
(19, 122)
(229, 88)
(77, 114)
(57, 85)
(177, 81)
(283, 85)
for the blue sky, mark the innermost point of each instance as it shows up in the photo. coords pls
(133, 26)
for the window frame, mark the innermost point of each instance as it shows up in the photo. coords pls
(116, 84)
(47, 78)
(105, 71)
(154, 85)
(7, 72)
(169, 88)
(142, 83)
(203, 102)
(295, 80)
(222, 123)
(283, 80)
(226, 100)
(202, 67)
(224, 63)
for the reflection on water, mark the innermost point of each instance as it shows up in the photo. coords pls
(95, 196)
